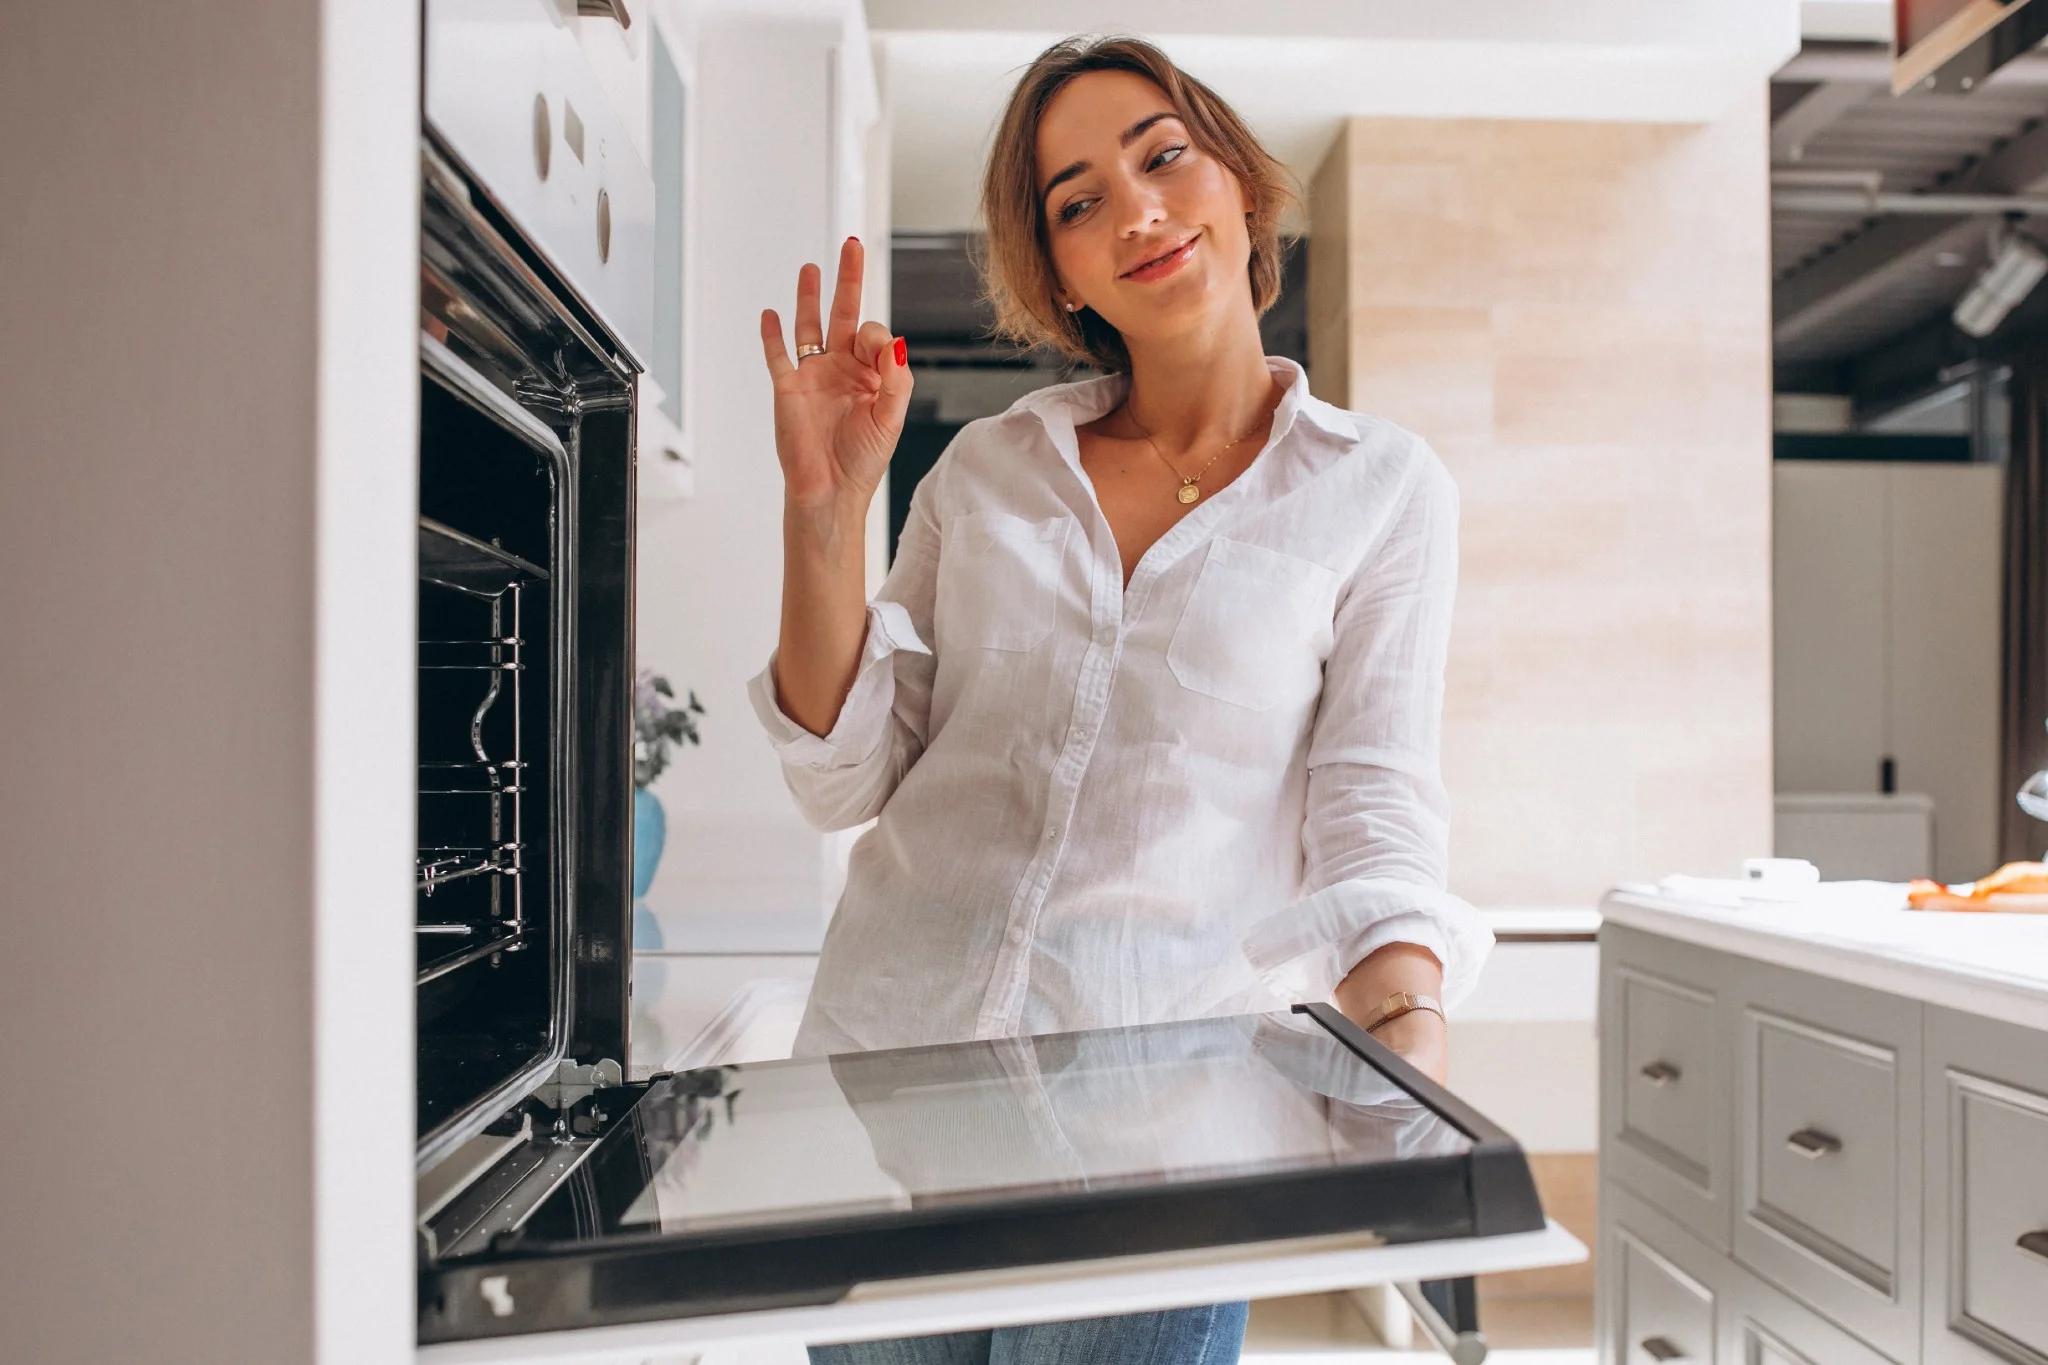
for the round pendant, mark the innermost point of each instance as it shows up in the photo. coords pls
(1188, 493)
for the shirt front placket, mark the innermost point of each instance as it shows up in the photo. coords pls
(1112, 606)
(1002, 1007)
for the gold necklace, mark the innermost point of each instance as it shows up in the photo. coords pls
(1188, 492)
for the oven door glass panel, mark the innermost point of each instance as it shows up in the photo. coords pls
(788, 1182)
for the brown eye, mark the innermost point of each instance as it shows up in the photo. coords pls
(1166, 157)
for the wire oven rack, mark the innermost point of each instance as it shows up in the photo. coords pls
(461, 563)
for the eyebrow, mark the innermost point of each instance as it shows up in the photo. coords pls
(1124, 139)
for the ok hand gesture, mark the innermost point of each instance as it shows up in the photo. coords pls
(838, 411)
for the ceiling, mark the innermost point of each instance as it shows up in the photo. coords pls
(1296, 68)
(1849, 287)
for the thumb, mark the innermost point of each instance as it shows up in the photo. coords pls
(894, 400)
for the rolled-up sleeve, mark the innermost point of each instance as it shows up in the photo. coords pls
(1376, 831)
(844, 777)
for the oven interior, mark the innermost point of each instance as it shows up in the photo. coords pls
(483, 877)
(522, 881)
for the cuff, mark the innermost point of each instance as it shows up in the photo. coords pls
(863, 717)
(1308, 947)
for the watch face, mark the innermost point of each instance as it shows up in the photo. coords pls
(1012, 1119)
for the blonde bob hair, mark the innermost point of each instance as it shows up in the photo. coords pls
(1016, 266)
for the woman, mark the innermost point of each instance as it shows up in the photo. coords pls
(1147, 711)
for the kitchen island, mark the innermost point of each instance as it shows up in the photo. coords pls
(1824, 1129)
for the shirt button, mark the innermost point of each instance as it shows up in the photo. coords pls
(1083, 734)
(1016, 936)
(1052, 832)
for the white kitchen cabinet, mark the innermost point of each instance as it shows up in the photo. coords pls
(1883, 1114)
(1886, 585)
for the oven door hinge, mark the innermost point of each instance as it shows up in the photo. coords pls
(573, 1081)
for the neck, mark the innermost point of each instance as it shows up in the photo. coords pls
(1205, 387)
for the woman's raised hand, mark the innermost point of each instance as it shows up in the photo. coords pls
(838, 412)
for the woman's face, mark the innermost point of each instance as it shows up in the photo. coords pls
(1145, 228)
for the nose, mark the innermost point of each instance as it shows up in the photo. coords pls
(1139, 208)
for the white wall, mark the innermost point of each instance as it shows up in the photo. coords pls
(207, 493)
(784, 104)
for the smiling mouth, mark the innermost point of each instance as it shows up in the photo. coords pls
(1163, 265)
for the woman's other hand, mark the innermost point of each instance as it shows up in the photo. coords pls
(1419, 1035)
(1421, 1038)
(839, 412)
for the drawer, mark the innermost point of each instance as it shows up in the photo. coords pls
(1665, 1126)
(1826, 1158)
(1767, 1328)
(1667, 1046)
(1987, 1118)
(1659, 1304)
(1828, 1150)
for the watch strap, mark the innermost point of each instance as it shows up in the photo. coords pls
(1400, 1003)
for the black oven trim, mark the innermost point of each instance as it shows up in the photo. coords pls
(463, 382)
(527, 354)
(519, 1282)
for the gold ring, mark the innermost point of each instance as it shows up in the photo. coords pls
(805, 351)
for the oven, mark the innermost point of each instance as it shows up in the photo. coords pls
(556, 1197)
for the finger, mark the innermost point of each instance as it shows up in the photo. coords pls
(773, 346)
(846, 295)
(868, 344)
(893, 402)
(808, 332)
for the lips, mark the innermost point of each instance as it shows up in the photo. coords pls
(1159, 267)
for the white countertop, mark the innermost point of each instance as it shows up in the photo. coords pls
(1991, 964)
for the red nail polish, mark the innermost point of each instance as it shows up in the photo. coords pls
(902, 350)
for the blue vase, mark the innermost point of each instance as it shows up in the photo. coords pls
(650, 832)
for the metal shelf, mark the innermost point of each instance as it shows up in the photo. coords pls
(466, 564)
(484, 940)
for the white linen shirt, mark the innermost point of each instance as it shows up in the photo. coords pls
(1213, 791)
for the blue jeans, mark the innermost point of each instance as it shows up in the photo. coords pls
(1210, 1335)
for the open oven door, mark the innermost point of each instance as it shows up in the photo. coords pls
(927, 1189)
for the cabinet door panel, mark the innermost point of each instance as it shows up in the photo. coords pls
(1659, 1301)
(1665, 1116)
(1987, 1168)
(1827, 1161)
(1767, 1328)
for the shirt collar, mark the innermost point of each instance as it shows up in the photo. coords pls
(1063, 407)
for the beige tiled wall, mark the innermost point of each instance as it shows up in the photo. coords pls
(1576, 316)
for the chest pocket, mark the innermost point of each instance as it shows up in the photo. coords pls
(999, 580)
(1257, 626)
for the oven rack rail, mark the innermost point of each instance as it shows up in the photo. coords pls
(454, 559)
(472, 943)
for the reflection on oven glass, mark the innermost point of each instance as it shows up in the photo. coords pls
(1254, 1095)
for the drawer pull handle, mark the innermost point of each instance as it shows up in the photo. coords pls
(1813, 1144)
(1661, 1349)
(2035, 1244)
(1660, 1074)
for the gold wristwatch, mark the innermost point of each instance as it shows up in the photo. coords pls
(1400, 1003)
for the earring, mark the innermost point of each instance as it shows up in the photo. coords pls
(1073, 307)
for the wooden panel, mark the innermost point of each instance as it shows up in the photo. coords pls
(1576, 317)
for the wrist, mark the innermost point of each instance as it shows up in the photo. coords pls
(837, 524)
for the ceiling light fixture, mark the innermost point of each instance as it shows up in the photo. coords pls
(2016, 266)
